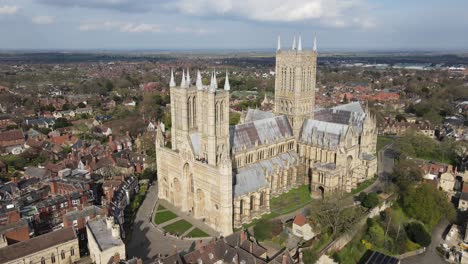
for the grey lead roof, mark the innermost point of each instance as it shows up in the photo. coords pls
(352, 107)
(253, 177)
(261, 131)
(324, 134)
(195, 138)
(255, 114)
(102, 234)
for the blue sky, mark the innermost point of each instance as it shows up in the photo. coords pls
(341, 25)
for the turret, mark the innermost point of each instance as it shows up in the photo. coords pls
(279, 43)
(199, 83)
(315, 43)
(214, 83)
(182, 82)
(172, 82)
(299, 45)
(188, 81)
(294, 43)
(227, 87)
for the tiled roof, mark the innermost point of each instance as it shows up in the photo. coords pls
(11, 135)
(322, 133)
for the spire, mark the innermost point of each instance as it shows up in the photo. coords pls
(172, 82)
(299, 45)
(188, 81)
(213, 84)
(199, 81)
(294, 43)
(182, 82)
(227, 87)
(279, 43)
(315, 42)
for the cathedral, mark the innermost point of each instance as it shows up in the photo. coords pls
(226, 175)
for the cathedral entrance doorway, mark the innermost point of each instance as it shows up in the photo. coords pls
(322, 192)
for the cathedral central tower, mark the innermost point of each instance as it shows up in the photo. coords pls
(295, 83)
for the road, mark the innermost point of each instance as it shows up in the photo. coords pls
(147, 241)
(430, 256)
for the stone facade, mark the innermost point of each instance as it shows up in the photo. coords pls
(227, 175)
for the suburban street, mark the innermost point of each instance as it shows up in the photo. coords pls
(147, 241)
(430, 256)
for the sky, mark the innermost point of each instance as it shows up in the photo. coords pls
(340, 25)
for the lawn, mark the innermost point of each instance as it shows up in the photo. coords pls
(363, 185)
(291, 201)
(178, 228)
(352, 252)
(383, 141)
(161, 208)
(164, 216)
(197, 233)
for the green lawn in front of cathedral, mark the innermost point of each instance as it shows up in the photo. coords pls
(291, 201)
(178, 228)
(196, 232)
(163, 216)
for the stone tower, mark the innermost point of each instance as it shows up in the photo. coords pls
(295, 83)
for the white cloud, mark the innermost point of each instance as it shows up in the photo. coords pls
(9, 10)
(335, 13)
(120, 26)
(199, 31)
(43, 20)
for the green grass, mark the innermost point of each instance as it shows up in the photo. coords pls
(178, 228)
(164, 216)
(363, 185)
(383, 141)
(351, 253)
(197, 233)
(291, 201)
(160, 208)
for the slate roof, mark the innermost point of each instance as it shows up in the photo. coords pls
(261, 131)
(255, 114)
(353, 107)
(321, 133)
(341, 116)
(39, 173)
(87, 211)
(253, 177)
(36, 244)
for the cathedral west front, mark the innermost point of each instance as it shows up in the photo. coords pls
(227, 175)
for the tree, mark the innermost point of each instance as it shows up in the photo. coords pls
(400, 118)
(81, 105)
(405, 174)
(234, 118)
(334, 215)
(417, 233)
(61, 122)
(371, 200)
(427, 204)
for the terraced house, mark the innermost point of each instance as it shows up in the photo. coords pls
(226, 175)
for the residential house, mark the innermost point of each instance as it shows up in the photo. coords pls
(302, 228)
(84, 111)
(41, 122)
(12, 142)
(13, 230)
(64, 114)
(102, 130)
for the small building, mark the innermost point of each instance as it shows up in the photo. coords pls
(11, 142)
(58, 247)
(104, 242)
(302, 228)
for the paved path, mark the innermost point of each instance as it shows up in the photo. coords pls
(430, 256)
(147, 241)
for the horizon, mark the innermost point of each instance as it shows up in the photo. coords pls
(190, 25)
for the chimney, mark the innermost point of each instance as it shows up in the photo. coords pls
(53, 187)
(450, 168)
(251, 247)
(110, 138)
(116, 231)
(109, 222)
(243, 236)
(235, 260)
(285, 259)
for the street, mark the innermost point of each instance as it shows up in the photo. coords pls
(147, 241)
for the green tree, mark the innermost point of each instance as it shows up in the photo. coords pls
(427, 204)
(234, 118)
(371, 200)
(417, 233)
(405, 174)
